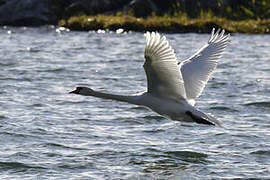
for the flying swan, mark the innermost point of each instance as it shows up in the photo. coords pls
(172, 86)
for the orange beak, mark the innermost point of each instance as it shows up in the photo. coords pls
(76, 91)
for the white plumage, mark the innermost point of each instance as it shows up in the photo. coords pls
(173, 86)
(197, 69)
(164, 78)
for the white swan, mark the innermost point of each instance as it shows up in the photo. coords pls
(173, 86)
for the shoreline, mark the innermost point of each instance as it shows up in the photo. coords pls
(166, 24)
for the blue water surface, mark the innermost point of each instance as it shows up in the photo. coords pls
(47, 133)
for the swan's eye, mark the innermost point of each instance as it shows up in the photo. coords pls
(78, 89)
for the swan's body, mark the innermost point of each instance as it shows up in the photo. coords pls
(173, 86)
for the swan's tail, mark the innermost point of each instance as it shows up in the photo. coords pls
(202, 118)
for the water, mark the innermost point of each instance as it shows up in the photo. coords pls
(47, 133)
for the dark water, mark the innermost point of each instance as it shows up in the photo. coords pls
(46, 133)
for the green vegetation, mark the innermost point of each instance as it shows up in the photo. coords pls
(165, 23)
(241, 10)
(250, 9)
(250, 16)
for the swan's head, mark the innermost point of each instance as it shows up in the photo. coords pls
(82, 91)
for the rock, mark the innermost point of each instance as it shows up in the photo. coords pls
(27, 12)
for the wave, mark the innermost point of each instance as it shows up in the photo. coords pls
(187, 154)
(151, 117)
(261, 152)
(265, 104)
(59, 146)
(4, 166)
(224, 108)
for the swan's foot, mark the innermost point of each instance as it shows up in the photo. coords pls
(198, 119)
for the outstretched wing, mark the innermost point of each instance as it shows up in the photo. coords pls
(197, 69)
(164, 78)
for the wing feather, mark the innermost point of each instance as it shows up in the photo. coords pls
(164, 77)
(197, 69)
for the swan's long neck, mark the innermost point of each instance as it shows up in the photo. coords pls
(129, 99)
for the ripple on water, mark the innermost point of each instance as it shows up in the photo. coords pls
(16, 167)
(182, 157)
(164, 164)
(224, 108)
(261, 152)
(7, 63)
(188, 156)
(46, 131)
(55, 70)
(153, 117)
(59, 146)
(261, 104)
